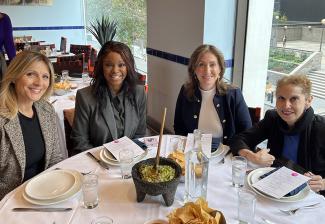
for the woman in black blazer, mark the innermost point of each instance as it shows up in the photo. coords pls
(113, 105)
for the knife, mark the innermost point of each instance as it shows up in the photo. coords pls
(41, 209)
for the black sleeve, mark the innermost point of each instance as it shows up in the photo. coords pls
(179, 126)
(250, 138)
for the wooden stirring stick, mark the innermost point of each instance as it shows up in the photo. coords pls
(160, 139)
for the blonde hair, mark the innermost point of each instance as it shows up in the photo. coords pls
(192, 82)
(16, 69)
(297, 80)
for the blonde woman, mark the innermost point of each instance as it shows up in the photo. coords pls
(293, 131)
(28, 134)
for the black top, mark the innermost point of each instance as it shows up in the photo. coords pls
(34, 145)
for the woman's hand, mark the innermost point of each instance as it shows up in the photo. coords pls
(317, 183)
(262, 157)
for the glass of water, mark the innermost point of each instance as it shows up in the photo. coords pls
(239, 166)
(246, 206)
(126, 157)
(90, 190)
(65, 75)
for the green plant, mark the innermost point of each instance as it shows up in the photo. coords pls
(103, 29)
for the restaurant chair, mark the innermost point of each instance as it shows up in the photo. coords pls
(63, 44)
(20, 46)
(68, 122)
(255, 114)
(86, 49)
(74, 64)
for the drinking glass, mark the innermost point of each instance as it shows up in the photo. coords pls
(65, 75)
(126, 162)
(239, 165)
(85, 77)
(90, 190)
(246, 206)
(176, 143)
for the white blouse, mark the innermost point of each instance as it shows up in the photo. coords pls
(209, 121)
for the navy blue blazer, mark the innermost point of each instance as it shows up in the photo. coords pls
(231, 108)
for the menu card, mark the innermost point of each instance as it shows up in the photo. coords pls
(206, 141)
(281, 182)
(122, 143)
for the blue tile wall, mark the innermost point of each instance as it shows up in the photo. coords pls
(179, 59)
(48, 28)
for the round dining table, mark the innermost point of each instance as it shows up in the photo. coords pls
(117, 198)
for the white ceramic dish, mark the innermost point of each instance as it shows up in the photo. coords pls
(74, 190)
(60, 92)
(50, 185)
(156, 221)
(253, 177)
(219, 151)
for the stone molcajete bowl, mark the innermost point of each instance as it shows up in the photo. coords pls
(166, 189)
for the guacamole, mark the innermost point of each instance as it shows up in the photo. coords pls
(165, 173)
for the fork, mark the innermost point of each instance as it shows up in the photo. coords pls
(293, 211)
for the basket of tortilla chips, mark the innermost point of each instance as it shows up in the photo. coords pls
(196, 212)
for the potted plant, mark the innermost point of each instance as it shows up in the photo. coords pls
(103, 29)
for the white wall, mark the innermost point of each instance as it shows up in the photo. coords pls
(178, 27)
(175, 29)
(61, 13)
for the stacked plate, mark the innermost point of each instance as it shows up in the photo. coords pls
(220, 150)
(52, 187)
(253, 177)
(107, 157)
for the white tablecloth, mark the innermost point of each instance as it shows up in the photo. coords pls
(118, 199)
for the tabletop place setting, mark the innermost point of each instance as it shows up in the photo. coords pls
(180, 179)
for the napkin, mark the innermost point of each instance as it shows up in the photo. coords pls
(291, 193)
(215, 144)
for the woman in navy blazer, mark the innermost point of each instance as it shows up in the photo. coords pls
(206, 102)
(113, 105)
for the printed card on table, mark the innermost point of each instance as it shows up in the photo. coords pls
(122, 143)
(281, 182)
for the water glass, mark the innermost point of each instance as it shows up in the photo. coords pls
(126, 157)
(176, 143)
(65, 75)
(90, 190)
(85, 77)
(102, 220)
(239, 166)
(246, 206)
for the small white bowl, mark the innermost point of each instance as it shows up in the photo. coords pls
(60, 92)
(156, 221)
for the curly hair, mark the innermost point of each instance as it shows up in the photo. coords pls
(193, 82)
(99, 85)
(296, 80)
(16, 69)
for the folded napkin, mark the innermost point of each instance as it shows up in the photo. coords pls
(215, 144)
(291, 193)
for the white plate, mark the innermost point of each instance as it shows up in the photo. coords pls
(74, 190)
(107, 158)
(253, 177)
(219, 151)
(50, 185)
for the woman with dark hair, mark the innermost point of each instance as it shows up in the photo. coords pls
(6, 42)
(292, 131)
(206, 102)
(28, 135)
(113, 105)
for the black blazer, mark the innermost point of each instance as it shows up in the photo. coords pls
(231, 108)
(93, 126)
